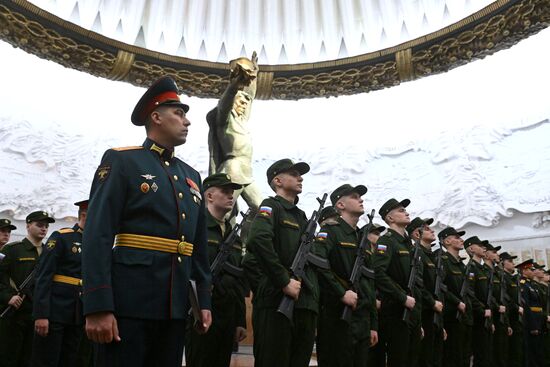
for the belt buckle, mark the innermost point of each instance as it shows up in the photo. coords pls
(181, 248)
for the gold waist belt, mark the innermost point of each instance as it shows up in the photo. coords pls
(67, 280)
(154, 243)
(536, 309)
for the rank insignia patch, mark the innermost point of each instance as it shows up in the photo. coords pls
(103, 172)
(50, 245)
(144, 187)
(265, 211)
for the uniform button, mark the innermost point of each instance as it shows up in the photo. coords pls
(183, 215)
(179, 258)
(166, 163)
(182, 238)
(175, 177)
(180, 195)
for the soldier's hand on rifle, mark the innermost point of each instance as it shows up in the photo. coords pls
(462, 307)
(487, 314)
(240, 334)
(102, 327)
(350, 299)
(373, 338)
(520, 310)
(292, 289)
(16, 301)
(41, 327)
(438, 307)
(378, 304)
(445, 335)
(410, 302)
(510, 331)
(501, 309)
(547, 318)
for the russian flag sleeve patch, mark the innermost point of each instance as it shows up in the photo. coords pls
(321, 236)
(265, 211)
(381, 248)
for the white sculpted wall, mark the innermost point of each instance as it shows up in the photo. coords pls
(476, 158)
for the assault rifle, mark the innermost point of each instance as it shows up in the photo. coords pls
(303, 257)
(465, 289)
(21, 291)
(490, 300)
(519, 298)
(359, 269)
(415, 264)
(220, 261)
(440, 288)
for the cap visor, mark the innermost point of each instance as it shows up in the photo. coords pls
(405, 203)
(301, 167)
(460, 233)
(428, 221)
(360, 189)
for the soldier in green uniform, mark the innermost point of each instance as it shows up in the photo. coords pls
(483, 323)
(515, 311)
(145, 239)
(57, 310)
(431, 346)
(392, 266)
(274, 239)
(341, 343)
(533, 316)
(499, 308)
(228, 308)
(458, 319)
(5, 231)
(20, 258)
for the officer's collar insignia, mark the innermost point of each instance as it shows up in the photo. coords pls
(103, 172)
(154, 187)
(157, 149)
(148, 176)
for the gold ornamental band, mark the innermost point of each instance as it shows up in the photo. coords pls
(154, 243)
(536, 309)
(67, 280)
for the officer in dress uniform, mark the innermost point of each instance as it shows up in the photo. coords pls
(5, 231)
(57, 310)
(20, 259)
(458, 318)
(515, 311)
(392, 266)
(343, 343)
(145, 239)
(534, 319)
(228, 308)
(274, 240)
(431, 346)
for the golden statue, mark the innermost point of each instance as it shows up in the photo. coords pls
(229, 140)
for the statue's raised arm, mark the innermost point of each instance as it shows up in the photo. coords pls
(229, 140)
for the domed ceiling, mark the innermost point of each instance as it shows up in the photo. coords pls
(306, 48)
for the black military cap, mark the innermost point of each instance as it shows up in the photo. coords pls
(377, 228)
(327, 212)
(220, 180)
(392, 204)
(39, 216)
(6, 223)
(449, 231)
(417, 223)
(490, 247)
(284, 165)
(163, 92)
(82, 204)
(345, 190)
(527, 264)
(507, 256)
(474, 240)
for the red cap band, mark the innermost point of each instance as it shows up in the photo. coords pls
(157, 100)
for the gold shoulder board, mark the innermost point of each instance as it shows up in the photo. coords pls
(134, 147)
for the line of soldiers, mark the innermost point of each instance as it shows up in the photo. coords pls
(362, 297)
